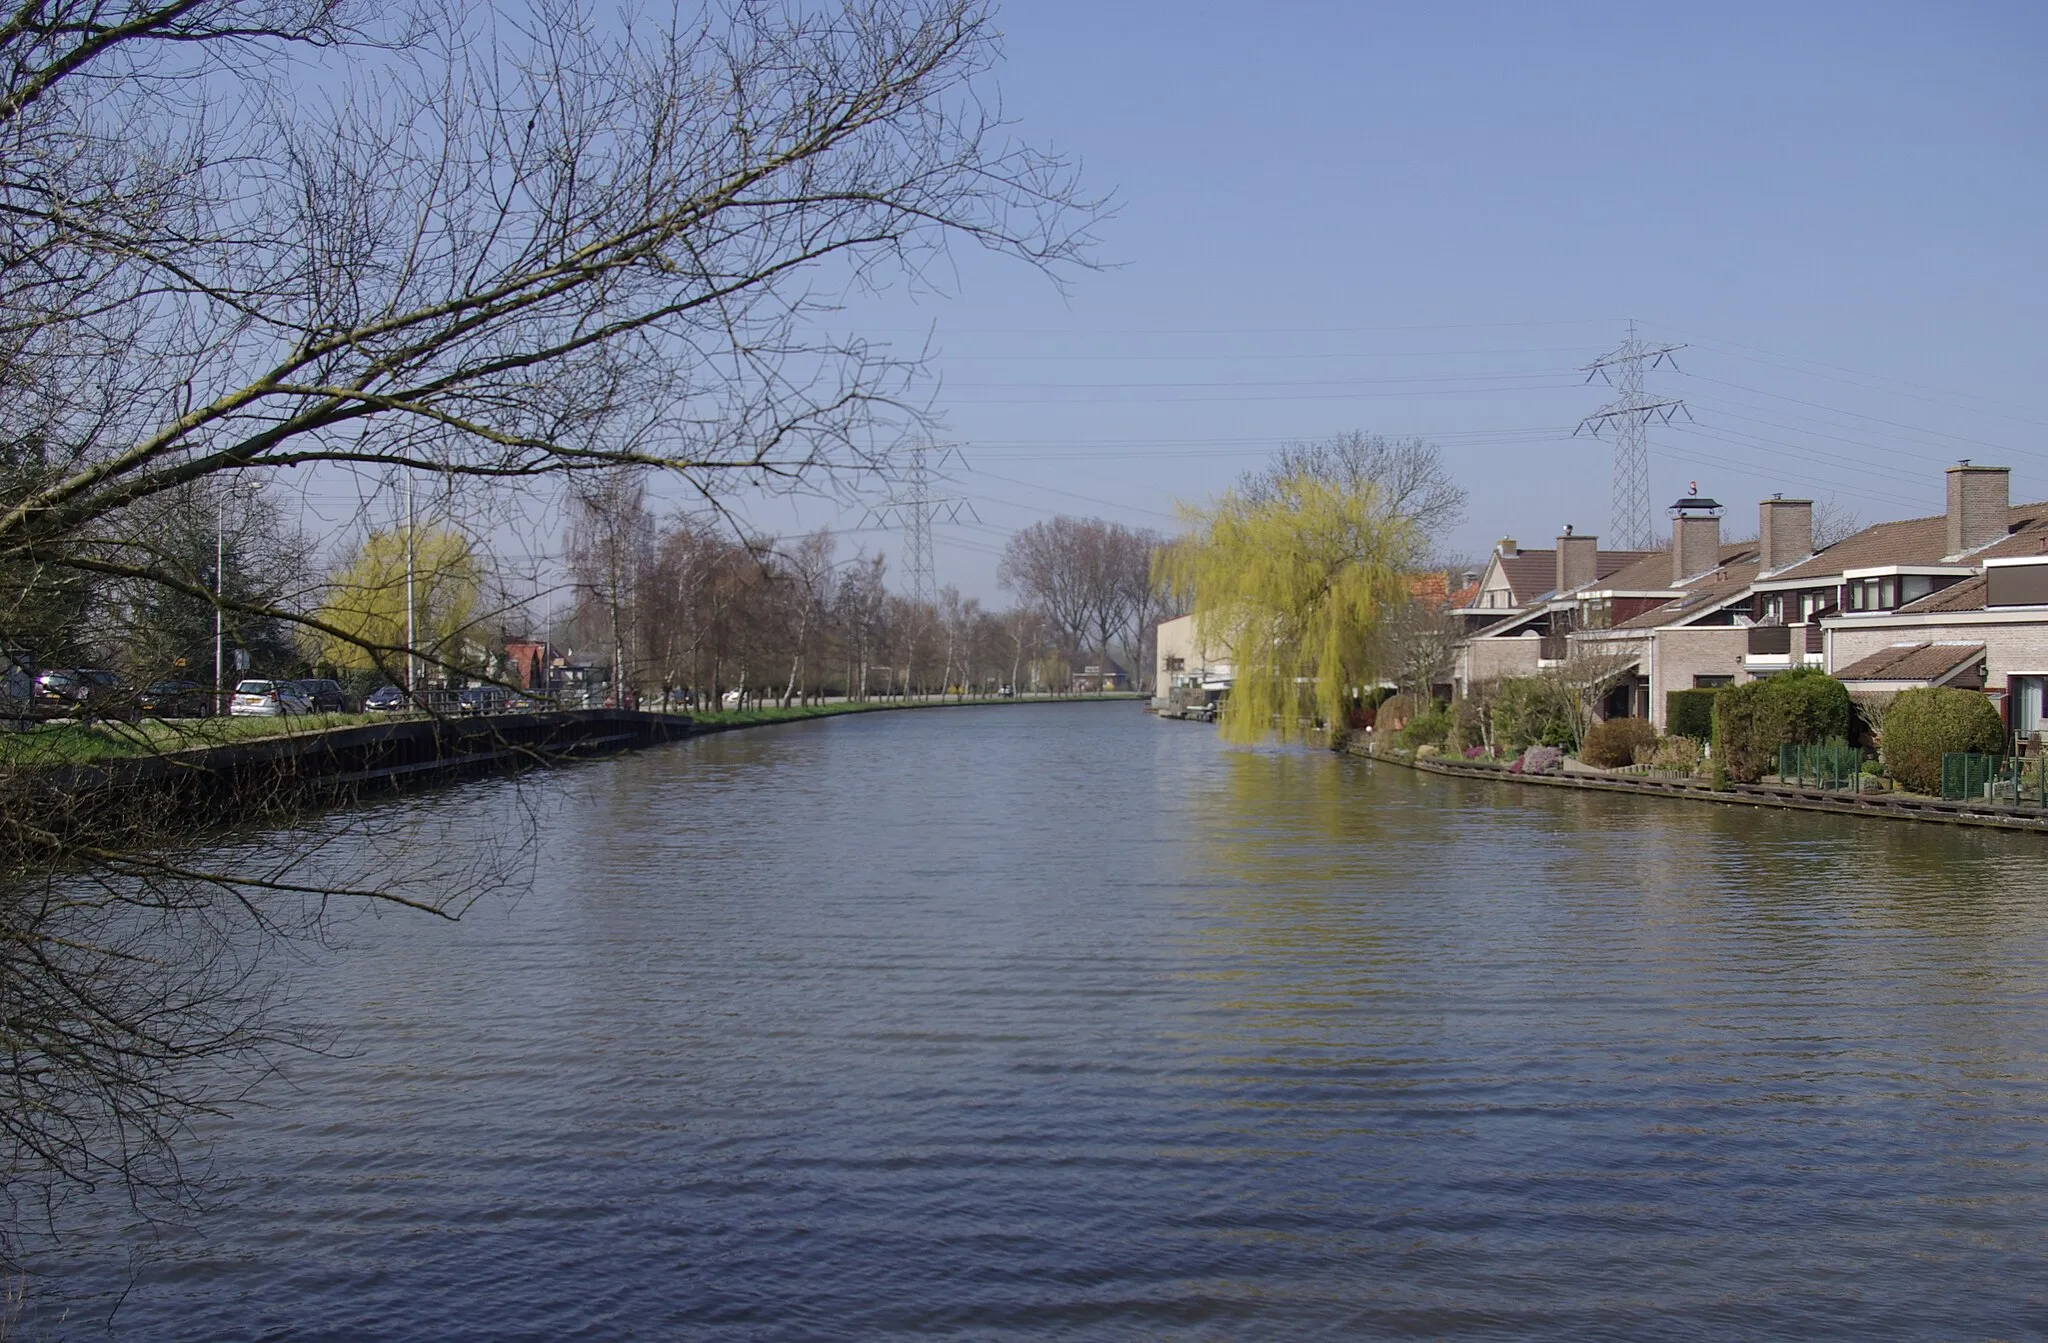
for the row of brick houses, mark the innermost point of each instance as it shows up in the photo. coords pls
(1958, 598)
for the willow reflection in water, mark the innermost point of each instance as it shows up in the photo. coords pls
(1044, 1022)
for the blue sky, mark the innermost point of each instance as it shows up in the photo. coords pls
(1423, 219)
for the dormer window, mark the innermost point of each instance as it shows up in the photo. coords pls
(1892, 588)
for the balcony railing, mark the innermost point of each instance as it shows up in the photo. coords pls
(1770, 641)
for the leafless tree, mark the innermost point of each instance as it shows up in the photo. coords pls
(1418, 644)
(1408, 476)
(1091, 579)
(1833, 521)
(610, 549)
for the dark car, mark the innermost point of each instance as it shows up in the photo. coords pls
(384, 699)
(84, 692)
(483, 699)
(175, 699)
(327, 696)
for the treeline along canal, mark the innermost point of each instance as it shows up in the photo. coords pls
(1064, 1022)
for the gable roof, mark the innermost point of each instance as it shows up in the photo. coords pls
(1651, 571)
(1907, 541)
(1933, 663)
(1533, 573)
(1731, 580)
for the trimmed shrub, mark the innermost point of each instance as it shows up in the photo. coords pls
(1431, 728)
(1810, 706)
(1526, 712)
(1690, 713)
(1751, 721)
(1614, 743)
(1738, 714)
(1393, 712)
(1927, 723)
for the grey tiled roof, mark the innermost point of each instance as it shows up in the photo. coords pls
(1912, 662)
(1908, 541)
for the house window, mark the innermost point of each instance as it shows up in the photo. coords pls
(1709, 682)
(1912, 587)
(1887, 593)
(2027, 695)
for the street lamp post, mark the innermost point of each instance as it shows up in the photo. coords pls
(220, 564)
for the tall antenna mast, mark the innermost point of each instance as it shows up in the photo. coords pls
(1628, 418)
(914, 508)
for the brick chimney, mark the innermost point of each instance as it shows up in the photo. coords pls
(1784, 530)
(1979, 505)
(1695, 536)
(1578, 560)
(1695, 543)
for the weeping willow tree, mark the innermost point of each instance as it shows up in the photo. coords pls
(1294, 578)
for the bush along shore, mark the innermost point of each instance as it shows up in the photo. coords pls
(1783, 741)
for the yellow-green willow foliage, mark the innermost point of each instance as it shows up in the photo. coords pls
(367, 600)
(1295, 583)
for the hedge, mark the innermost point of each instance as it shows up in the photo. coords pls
(1690, 713)
(1614, 743)
(1926, 723)
(1751, 721)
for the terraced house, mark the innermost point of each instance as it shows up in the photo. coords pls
(1956, 598)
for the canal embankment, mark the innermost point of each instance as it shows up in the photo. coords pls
(157, 780)
(1878, 806)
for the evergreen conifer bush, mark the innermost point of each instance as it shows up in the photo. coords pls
(1929, 722)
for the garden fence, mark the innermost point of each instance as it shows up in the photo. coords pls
(2018, 781)
(1832, 765)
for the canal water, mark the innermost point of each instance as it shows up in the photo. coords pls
(1048, 1022)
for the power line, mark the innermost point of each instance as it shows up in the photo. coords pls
(914, 507)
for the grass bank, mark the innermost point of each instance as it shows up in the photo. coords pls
(92, 743)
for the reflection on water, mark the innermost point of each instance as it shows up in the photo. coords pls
(1034, 1022)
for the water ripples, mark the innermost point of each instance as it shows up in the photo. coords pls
(1067, 1023)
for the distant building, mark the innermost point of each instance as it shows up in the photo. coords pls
(1191, 669)
(527, 661)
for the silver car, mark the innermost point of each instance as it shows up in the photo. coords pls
(268, 699)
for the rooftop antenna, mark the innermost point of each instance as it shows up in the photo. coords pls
(1628, 418)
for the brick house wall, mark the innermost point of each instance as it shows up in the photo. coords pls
(1681, 653)
(2015, 644)
(1494, 659)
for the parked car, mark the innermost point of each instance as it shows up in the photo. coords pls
(83, 692)
(327, 696)
(483, 699)
(384, 699)
(175, 699)
(269, 699)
